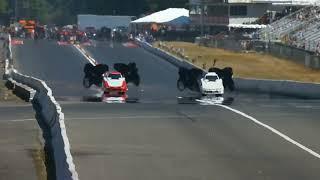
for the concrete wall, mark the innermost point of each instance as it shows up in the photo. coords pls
(59, 161)
(300, 56)
(309, 59)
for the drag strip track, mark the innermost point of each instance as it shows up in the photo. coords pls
(20, 146)
(296, 118)
(275, 131)
(256, 137)
(161, 141)
(60, 66)
(158, 77)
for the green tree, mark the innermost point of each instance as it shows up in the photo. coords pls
(157, 5)
(61, 12)
(3, 6)
(38, 9)
(65, 11)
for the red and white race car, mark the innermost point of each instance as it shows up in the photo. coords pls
(114, 84)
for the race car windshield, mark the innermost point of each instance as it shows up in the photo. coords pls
(211, 78)
(114, 76)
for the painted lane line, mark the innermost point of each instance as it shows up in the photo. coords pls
(85, 54)
(275, 131)
(21, 120)
(16, 120)
(128, 117)
(105, 118)
(272, 106)
(182, 116)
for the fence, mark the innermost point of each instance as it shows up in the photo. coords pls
(307, 58)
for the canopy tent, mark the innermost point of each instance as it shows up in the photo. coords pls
(296, 2)
(249, 26)
(172, 16)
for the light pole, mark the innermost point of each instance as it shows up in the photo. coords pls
(16, 10)
(202, 18)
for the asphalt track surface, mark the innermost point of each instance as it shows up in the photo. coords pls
(20, 143)
(158, 77)
(161, 139)
(62, 68)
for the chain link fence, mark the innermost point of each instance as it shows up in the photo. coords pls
(301, 56)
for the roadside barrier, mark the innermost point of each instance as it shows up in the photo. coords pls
(165, 55)
(22, 91)
(277, 87)
(6, 70)
(59, 161)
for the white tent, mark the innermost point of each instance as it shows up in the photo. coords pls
(171, 15)
(249, 26)
(299, 2)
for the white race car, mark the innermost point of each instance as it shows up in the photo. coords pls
(211, 84)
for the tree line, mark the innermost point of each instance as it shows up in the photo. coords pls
(65, 11)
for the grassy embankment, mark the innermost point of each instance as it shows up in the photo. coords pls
(246, 65)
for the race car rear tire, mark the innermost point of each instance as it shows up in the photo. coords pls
(180, 85)
(86, 83)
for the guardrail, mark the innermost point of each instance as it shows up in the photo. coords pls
(22, 91)
(165, 55)
(279, 87)
(283, 87)
(6, 69)
(59, 161)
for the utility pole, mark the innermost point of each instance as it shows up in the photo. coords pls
(16, 10)
(202, 18)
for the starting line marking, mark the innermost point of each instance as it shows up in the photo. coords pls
(273, 130)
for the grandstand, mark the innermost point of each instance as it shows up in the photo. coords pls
(307, 36)
(293, 22)
(216, 14)
(290, 23)
(299, 29)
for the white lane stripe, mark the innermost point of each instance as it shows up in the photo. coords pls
(106, 118)
(17, 120)
(287, 138)
(21, 120)
(126, 117)
(90, 59)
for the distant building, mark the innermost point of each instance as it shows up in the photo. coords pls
(222, 14)
(22, 8)
(98, 21)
